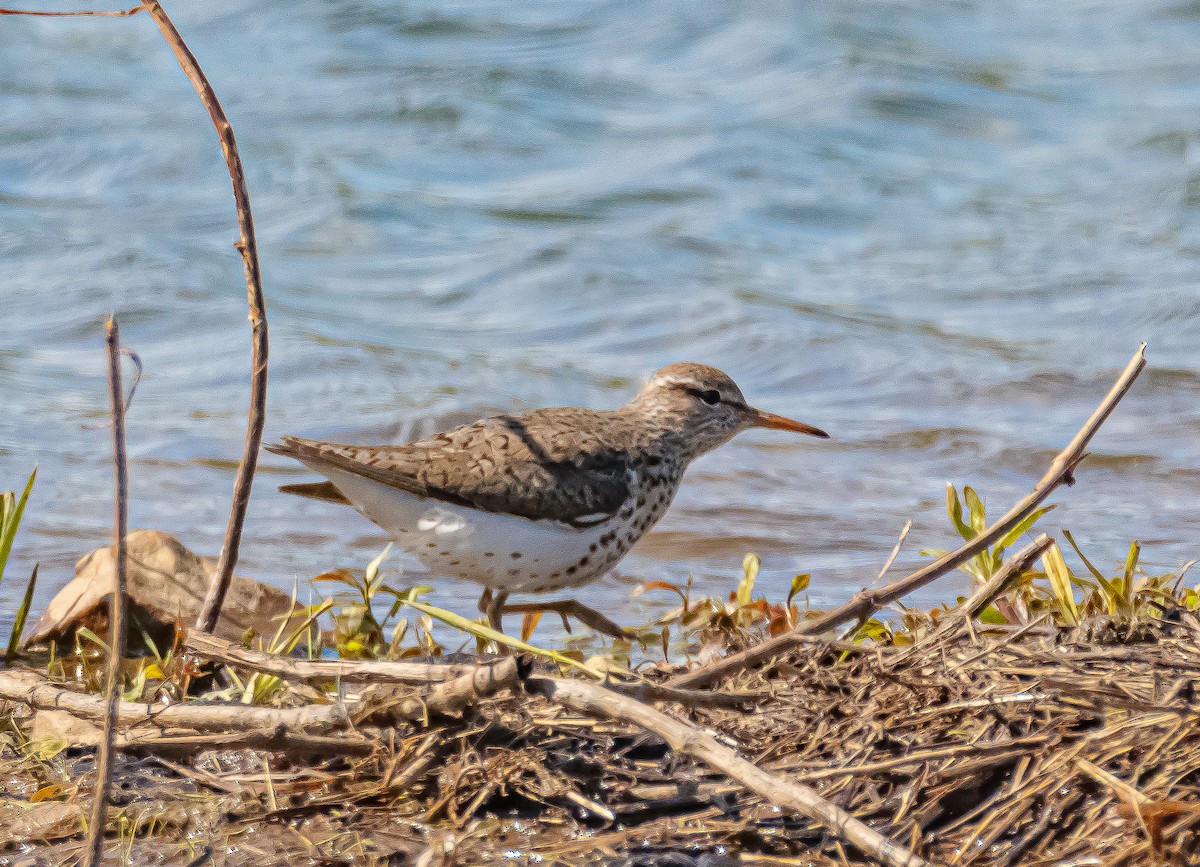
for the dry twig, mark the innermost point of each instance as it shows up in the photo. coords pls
(82, 13)
(421, 673)
(116, 616)
(344, 670)
(449, 698)
(247, 245)
(864, 603)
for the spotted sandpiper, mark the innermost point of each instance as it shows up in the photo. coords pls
(544, 500)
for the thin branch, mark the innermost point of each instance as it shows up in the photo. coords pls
(379, 671)
(281, 739)
(116, 616)
(686, 740)
(344, 670)
(864, 603)
(35, 691)
(248, 247)
(448, 698)
(887, 564)
(106, 13)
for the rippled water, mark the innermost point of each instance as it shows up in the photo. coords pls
(937, 230)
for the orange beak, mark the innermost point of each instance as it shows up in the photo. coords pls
(779, 422)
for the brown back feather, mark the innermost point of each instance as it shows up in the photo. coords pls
(546, 464)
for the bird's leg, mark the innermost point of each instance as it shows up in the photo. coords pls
(492, 604)
(571, 608)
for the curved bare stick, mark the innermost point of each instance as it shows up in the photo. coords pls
(597, 701)
(248, 247)
(864, 603)
(102, 13)
(116, 617)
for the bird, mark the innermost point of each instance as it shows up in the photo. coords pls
(540, 501)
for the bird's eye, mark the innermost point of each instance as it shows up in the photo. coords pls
(712, 397)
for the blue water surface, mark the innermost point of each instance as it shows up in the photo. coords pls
(937, 230)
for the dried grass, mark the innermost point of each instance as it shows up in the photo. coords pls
(1012, 747)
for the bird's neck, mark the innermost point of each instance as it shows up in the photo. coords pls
(661, 430)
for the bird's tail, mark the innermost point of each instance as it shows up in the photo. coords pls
(295, 447)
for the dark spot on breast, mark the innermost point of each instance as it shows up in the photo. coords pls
(516, 555)
(554, 575)
(431, 544)
(583, 562)
(593, 547)
(453, 562)
(641, 502)
(571, 570)
(488, 554)
(513, 573)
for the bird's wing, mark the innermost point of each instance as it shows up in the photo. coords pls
(528, 465)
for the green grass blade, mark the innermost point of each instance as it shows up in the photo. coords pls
(975, 509)
(1060, 584)
(1135, 551)
(14, 640)
(954, 510)
(1022, 527)
(12, 520)
(1108, 590)
(84, 632)
(1096, 573)
(751, 565)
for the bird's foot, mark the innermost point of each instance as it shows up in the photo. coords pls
(565, 608)
(492, 606)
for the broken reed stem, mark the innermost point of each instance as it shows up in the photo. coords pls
(887, 564)
(686, 740)
(866, 602)
(248, 247)
(116, 616)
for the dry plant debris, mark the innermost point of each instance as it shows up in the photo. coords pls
(968, 746)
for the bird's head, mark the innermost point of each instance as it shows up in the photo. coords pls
(706, 407)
